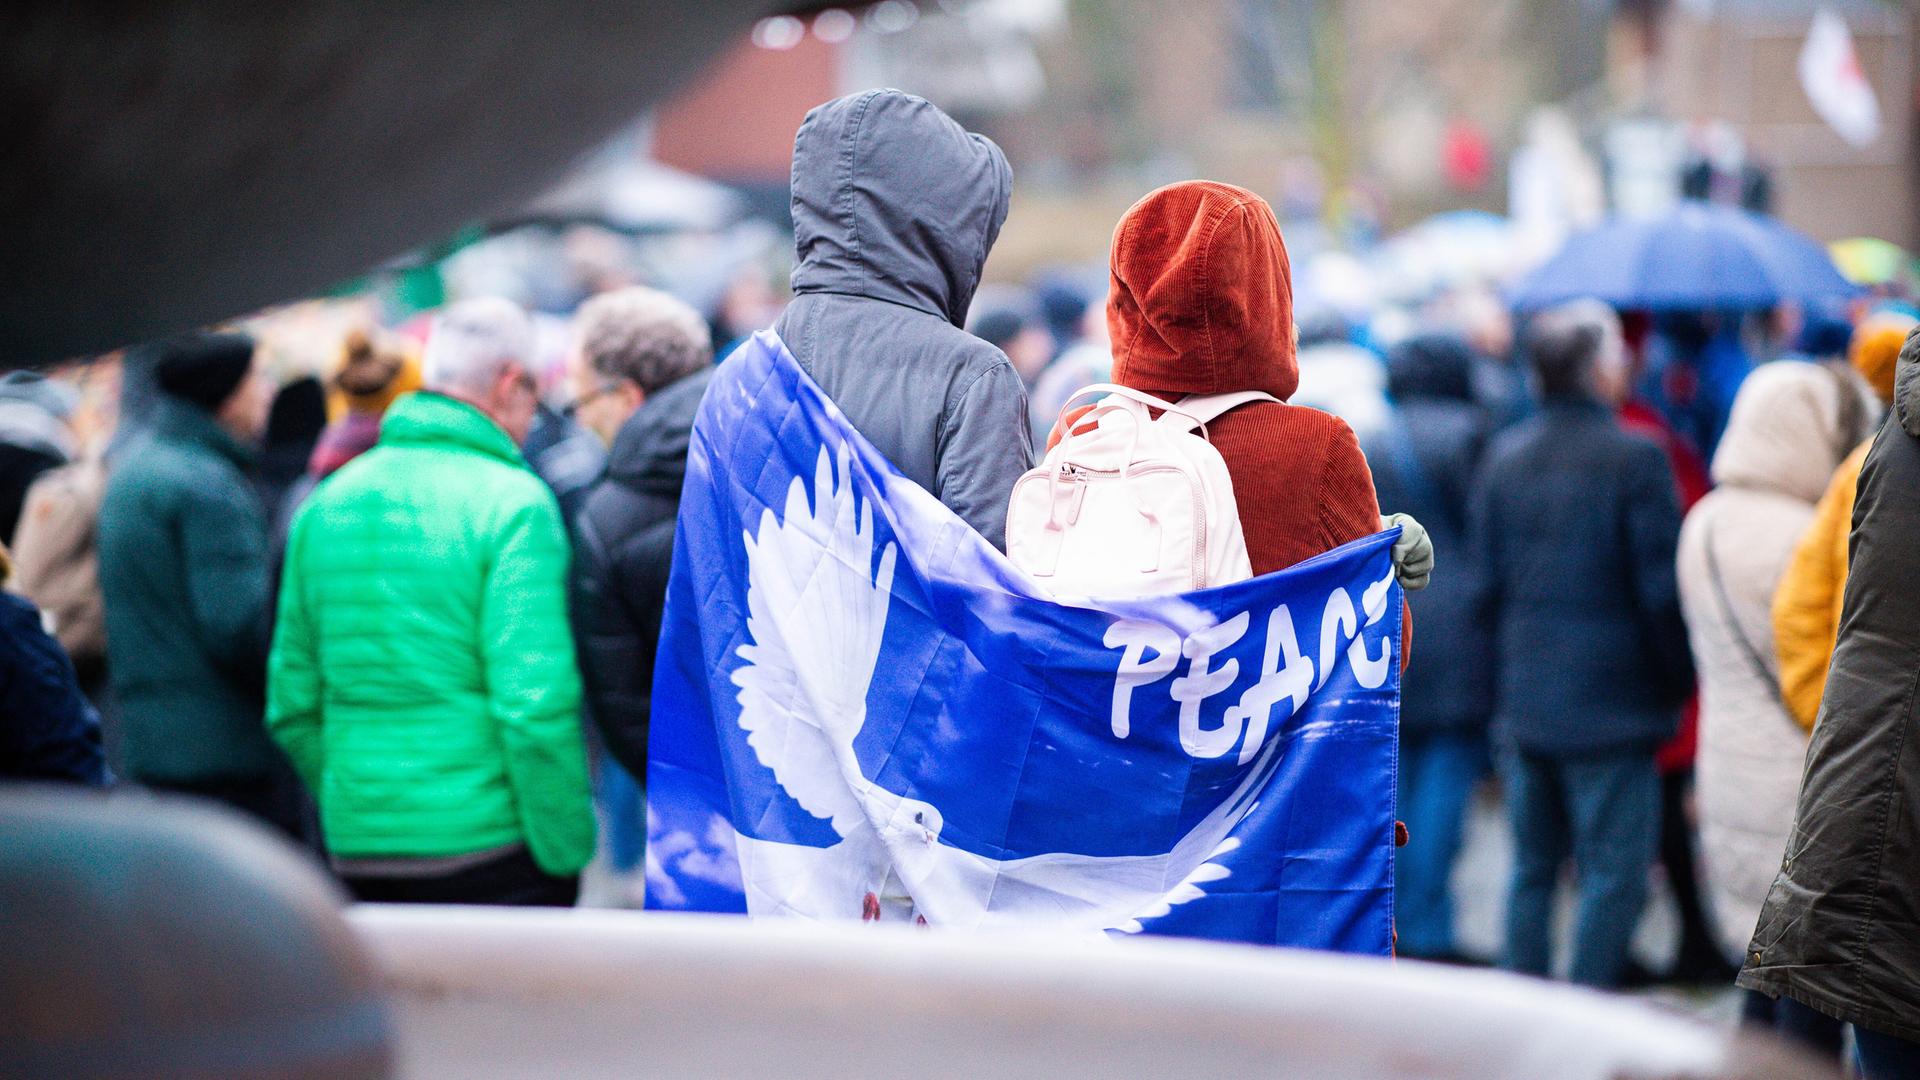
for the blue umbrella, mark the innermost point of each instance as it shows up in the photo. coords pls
(1700, 256)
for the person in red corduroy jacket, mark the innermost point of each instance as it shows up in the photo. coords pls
(1201, 302)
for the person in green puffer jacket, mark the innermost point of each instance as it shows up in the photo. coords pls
(422, 676)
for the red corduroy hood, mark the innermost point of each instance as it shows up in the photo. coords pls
(1202, 296)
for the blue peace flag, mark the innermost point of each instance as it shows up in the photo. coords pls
(861, 709)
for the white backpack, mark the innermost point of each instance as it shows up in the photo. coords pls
(1131, 506)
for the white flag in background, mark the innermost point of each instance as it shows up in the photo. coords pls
(1830, 73)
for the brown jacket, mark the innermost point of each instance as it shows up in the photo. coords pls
(1201, 302)
(56, 559)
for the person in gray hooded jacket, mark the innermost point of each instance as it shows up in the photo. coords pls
(895, 207)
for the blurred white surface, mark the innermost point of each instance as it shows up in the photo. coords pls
(503, 993)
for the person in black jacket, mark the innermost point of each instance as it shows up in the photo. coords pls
(643, 363)
(1575, 522)
(48, 731)
(1840, 930)
(1423, 460)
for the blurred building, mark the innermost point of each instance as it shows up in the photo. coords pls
(736, 123)
(1355, 118)
(1419, 99)
(1422, 97)
(1737, 61)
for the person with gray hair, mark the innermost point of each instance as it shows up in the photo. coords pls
(422, 677)
(1579, 349)
(632, 343)
(641, 368)
(1575, 523)
(479, 353)
(1607, 374)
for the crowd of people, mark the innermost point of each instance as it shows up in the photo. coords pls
(425, 648)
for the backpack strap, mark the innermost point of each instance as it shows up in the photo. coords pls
(1752, 654)
(1116, 390)
(1199, 410)
(1194, 410)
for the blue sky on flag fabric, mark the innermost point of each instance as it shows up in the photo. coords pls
(857, 694)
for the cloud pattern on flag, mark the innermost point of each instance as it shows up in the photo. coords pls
(862, 709)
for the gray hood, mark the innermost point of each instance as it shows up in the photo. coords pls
(894, 201)
(1906, 385)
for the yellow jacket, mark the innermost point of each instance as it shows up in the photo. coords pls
(1806, 607)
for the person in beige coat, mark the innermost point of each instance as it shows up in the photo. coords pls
(57, 564)
(1791, 424)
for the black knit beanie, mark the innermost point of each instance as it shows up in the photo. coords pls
(204, 368)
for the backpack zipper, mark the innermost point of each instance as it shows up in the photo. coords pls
(1072, 473)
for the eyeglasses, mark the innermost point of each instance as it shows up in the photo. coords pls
(590, 397)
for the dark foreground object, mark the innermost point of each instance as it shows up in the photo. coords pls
(510, 880)
(158, 938)
(1840, 930)
(169, 165)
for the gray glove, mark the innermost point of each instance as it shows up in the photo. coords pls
(1412, 553)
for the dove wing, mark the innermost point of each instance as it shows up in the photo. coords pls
(786, 736)
(815, 618)
(1117, 892)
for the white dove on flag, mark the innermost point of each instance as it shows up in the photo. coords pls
(816, 616)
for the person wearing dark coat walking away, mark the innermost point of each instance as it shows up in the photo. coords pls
(1840, 929)
(565, 456)
(642, 366)
(183, 571)
(294, 425)
(1575, 523)
(48, 731)
(895, 207)
(1423, 460)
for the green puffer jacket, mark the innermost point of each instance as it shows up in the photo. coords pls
(422, 676)
(183, 574)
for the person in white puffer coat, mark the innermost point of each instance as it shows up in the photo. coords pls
(1791, 424)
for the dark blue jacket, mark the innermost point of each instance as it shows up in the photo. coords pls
(1423, 464)
(1576, 523)
(47, 729)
